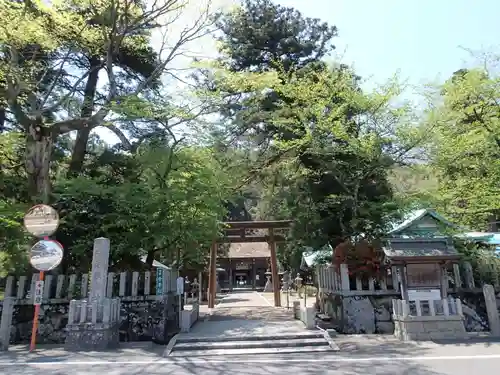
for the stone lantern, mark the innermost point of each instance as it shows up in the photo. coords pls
(298, 283)
(269, 284)
(195, 288)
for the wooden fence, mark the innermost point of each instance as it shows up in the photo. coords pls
(337, 280)
(60, 288)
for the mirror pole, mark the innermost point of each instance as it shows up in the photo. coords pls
(35, 320)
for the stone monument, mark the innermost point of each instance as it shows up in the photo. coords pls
(6, 322)
(492, 309)
(93, 322)
(269, 285)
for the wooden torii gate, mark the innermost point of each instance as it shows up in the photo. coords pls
(237, 232)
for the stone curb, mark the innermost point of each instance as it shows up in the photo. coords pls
(170, 345)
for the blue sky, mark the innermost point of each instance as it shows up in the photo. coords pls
(421, 39)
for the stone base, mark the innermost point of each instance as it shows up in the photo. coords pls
(430, 328)
(83, 337)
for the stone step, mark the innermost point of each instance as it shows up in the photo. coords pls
(299, 336)
(297, 343)
(250, 351)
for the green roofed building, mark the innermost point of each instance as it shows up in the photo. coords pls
(418, 224)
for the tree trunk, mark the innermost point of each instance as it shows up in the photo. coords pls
(493, 221)
(150, 258)
(2, 119)
(39, 144)
(82, 137)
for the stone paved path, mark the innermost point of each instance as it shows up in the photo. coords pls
(247, 313)
(249, 305)
(292, 296)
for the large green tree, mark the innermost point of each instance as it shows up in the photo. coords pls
(82, 39)
(306, 124)
(464, 150)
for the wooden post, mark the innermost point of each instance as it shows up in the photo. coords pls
(443, 273)
(230, 275)
(200, 288)
(404, 282)
(212, 283)
(274, 270)
(254, 275)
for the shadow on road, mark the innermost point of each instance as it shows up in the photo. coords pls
(474, 341)
(234, 300)
(358, 355)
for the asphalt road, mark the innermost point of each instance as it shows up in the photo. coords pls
(45, 262)
(357, 356)
(250, 365)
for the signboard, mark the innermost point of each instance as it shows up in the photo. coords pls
(423, 276)
(242, 266)
(38, 293)
(180, 285)
(41, 220)
(424, 294)
(159, 281)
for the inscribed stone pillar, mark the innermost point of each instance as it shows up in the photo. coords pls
(6, 322)
(100, 261)
(492, 309)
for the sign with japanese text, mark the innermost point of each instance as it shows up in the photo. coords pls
(37, 301)
(160, 274)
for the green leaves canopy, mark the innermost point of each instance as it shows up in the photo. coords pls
(170, 202)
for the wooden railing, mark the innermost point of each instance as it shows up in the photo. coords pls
(126, 285)
(337, 280)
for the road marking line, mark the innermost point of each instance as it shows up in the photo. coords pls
(264, 298)
(246, 359)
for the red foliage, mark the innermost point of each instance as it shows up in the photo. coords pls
(360, 257)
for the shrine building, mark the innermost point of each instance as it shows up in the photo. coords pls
(244, 267)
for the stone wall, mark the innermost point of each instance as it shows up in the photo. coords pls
(142, 319)
(361, 314)
(474, 309)
(373, 314)
(429, 328)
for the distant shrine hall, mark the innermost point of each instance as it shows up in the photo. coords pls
(245, 266)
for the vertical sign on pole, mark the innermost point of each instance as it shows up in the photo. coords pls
(38, 291)
(159, 281)
(180, 292)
